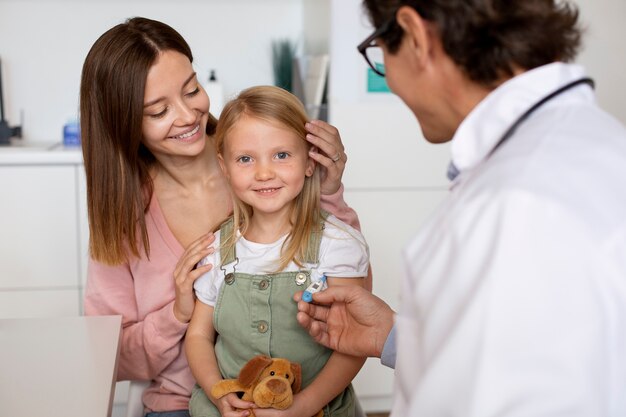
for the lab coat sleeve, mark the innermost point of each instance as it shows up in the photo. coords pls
(388, 355)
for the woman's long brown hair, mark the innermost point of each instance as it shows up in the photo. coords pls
(119, 187)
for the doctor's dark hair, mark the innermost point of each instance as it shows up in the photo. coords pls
(119, 187)
(488, 39)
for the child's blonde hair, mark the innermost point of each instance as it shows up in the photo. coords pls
(277, 106)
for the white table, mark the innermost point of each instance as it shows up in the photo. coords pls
(63, 367)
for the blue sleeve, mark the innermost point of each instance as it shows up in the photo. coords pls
(388, 355)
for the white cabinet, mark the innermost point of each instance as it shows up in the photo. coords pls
(41, 251)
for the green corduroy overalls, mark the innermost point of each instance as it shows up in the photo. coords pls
(256, 314)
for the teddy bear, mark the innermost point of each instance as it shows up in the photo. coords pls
(269, 383)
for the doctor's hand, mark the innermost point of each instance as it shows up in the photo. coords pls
(327, 151)
(348, 319)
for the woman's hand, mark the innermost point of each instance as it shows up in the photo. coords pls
(328, 151)
(186, 273)
(232, 406)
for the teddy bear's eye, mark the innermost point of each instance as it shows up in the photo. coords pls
(272, 373)
(287, 376)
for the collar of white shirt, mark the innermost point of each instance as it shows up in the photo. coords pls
(486, 124)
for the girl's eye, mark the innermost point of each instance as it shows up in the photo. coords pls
(244, 159)
(282, 155)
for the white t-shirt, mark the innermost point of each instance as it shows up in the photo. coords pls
(343, 254)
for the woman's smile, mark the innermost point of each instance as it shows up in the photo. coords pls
(187, 135)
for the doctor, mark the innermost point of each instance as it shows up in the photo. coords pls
(514, 299)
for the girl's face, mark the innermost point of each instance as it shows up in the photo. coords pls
(266, 164)
(176, 108)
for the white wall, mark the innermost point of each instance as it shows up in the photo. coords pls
(43, 44)
(316, 26)
(604, 53)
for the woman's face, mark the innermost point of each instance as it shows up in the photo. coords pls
(176, 107)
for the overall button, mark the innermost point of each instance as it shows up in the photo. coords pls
(301, 278)
(229, 278)
(264, 284)
(262, 327)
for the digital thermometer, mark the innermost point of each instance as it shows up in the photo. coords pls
(315, 287)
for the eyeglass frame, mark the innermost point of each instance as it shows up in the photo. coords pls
(367, 43)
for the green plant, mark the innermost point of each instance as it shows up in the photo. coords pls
(283, 53)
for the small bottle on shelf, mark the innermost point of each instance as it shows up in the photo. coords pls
(216, 94)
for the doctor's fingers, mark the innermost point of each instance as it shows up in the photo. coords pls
(314, 311)
(316, 329)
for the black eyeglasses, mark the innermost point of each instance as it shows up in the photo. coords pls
(371, 50)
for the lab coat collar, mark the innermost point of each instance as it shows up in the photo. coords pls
(483, 128)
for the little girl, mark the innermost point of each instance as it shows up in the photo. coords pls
(277, 242)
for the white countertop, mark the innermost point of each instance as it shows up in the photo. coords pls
(58, 367)
(40, 153)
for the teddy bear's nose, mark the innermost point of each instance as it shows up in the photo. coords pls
(277, 386)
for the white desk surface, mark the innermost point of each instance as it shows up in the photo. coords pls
(58, 366)
(40, 153)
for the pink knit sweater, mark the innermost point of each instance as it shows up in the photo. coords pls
(142, 291)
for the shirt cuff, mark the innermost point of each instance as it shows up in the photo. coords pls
(388, 355)
(166, 325)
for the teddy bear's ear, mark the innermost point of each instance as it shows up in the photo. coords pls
(253, 369)
(297, 377)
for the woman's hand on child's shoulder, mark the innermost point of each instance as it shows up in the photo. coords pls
(186, 273)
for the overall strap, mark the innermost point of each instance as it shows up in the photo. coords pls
(226, 231)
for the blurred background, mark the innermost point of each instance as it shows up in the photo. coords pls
(394, 178)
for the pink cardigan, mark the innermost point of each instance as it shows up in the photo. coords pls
(142, 291)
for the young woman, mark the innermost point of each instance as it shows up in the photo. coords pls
(154, 187)
(276, 244)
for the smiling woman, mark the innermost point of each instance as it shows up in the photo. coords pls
(113, 117)
(175, 116)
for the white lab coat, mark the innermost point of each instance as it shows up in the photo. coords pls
(514, 301)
